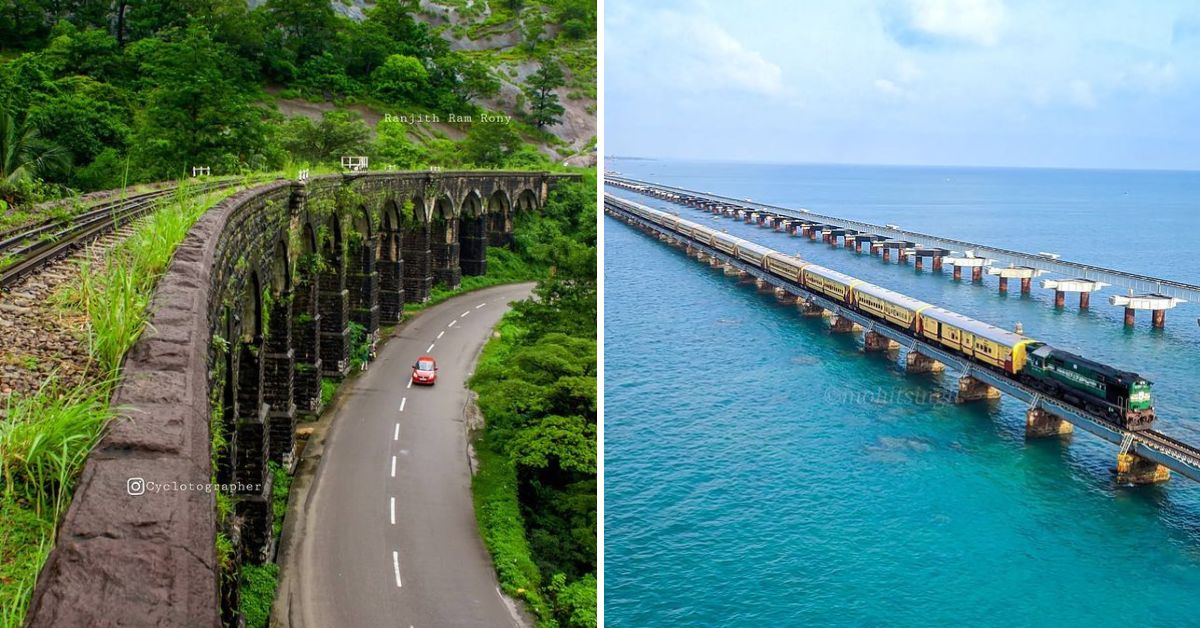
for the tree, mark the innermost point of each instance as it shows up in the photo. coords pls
(393, 146)
(490, 143)
(400, 78)
(197, 111)
(544, 108)
(338, 133)
(472, 79)
(84, 117)
(24, 155)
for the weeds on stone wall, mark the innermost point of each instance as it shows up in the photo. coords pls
(46, 437)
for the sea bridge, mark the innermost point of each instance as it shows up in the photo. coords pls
(1144, 457)
(1140, 292)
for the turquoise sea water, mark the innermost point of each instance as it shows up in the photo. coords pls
(760, 471)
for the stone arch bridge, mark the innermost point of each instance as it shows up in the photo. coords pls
(260, 302)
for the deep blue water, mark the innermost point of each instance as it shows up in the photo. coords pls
(747, 484)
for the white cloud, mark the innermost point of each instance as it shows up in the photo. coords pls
(1079, 92)
(908, 72)
(693, 52)
(1149, 76)
(979, 22)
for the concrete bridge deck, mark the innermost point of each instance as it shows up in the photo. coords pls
(1141, 284)
(1150, 445)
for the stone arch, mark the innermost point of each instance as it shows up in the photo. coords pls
(471, 205)
(281, 270)
(527, 200)
(250, 310)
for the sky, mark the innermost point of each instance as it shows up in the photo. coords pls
(1100, 84)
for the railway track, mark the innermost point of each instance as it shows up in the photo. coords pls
(1183, 453)
(25, 250)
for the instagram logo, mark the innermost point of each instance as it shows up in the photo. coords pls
(135, 486)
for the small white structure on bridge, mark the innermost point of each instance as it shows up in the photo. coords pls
(201, 171)
(1158, 304)
(356, 163)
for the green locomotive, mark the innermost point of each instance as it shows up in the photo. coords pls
(1123, 396)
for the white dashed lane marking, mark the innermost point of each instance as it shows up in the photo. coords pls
(465, 313)
(404, 400)
(441, 333)
(396, 567)
(392, 502)
(430, 349)
(480, 305)
(452, 323)
(393, 466)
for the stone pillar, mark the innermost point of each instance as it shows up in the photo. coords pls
(887, 254)
(1060, 298)
(1158, 319)
(971, 389)
(1040, 424)
(810, 309)
(1026, 285)
(843, 325)
(874, 341)
(918, 262)
(1129, 316)
(391, 280)
(474, 246)
(1004, 285)
(957, 273)
(937, 264)
(1085, 299)
(249, 445)
(1134, 469)
(858, 246)
(362, 283)
(279, 381)
(443, 244)
(916, 363)
(333, 301)
(977, 273)
(499, 229)
(306, 349)
(418, 264)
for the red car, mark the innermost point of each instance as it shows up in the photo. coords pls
(425, 370)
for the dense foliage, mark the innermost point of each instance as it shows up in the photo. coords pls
(536, 491)
(96, 94)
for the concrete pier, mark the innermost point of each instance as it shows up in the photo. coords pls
(843, 325)
(1083, 286)
(1157, 304)
(1133, 469)
(916, 363)
(810, 309)
(971, 389)
(976, 264)
(875, 341)
(1024, 273)
(1042, 424)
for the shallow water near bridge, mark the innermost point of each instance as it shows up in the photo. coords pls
(760, 471)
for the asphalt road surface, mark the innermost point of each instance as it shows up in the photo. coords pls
(388, 534)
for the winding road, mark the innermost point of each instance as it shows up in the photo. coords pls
(386, 534)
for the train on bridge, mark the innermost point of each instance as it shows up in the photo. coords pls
(1123, 397)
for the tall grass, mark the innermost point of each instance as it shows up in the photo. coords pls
(45, 437)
